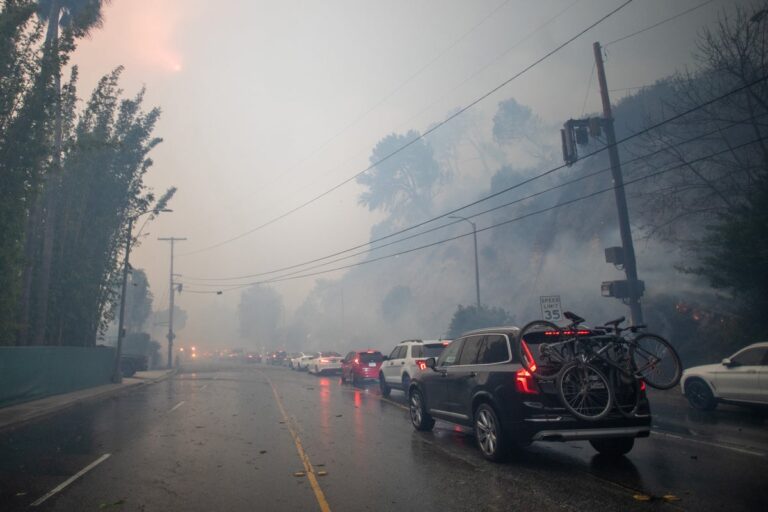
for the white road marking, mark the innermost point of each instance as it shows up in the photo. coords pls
(71, 479)
(177, 406)
(710, 443)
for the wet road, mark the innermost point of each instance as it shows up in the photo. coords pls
(262, 438)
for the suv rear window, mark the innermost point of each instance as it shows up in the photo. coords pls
(371, 357)
(427, 350)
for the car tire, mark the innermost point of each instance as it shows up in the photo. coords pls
(343, 378)
(355, 380)
(406, 383)
(383, 386)
(490, 435)
(699, 395)
(317, 370)
(613, 447)
(420, 418)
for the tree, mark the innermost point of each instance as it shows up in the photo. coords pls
(76, 18)
(734, 257)
(401, 184)
(104, 162)
(24, 115)
(727, 154)
(470, 317)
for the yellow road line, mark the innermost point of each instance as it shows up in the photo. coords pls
(324, 507)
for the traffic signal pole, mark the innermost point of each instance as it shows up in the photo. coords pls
(630, 263)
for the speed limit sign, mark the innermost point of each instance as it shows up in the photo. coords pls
(551, 310)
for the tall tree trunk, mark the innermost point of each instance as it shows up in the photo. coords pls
(52, 182)
(30, 255)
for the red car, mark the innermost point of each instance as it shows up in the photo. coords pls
(361, 365)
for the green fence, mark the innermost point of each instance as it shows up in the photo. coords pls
(29, 373)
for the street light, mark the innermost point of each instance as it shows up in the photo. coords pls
(477, 268)
(117, 376)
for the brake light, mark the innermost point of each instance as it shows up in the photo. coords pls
(446, 343)
(422, 364)
(524, 382)
(529, 356)
(357, 361)
(642, 385)
(567, 333)
(325, 360)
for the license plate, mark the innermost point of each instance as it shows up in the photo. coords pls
(371, 364)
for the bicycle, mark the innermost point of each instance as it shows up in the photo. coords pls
(575, 363)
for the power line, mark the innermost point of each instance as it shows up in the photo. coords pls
(399, 87)
(503, 223)
(662, 22)
(505, 190)
(495, 208)
(419, 137)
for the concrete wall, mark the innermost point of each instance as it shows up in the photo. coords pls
(29, 373)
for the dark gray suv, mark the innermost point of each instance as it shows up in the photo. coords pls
(478, 382)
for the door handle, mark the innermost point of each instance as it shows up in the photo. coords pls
(402, 362)
(473, 374)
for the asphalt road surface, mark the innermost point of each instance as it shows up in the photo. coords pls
(262, 438)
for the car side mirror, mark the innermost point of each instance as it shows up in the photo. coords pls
(430, 362)
(727, 362)
(385, 358)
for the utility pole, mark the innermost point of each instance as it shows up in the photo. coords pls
(576, 132)
(635, 288)
(171, 294)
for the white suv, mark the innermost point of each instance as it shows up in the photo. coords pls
(408, 359)
(741, 379)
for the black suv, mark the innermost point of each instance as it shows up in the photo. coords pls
(478, 382)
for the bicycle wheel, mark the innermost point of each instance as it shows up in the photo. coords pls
(626, 393)
(529, 343)
(656, 361)
(584, 391)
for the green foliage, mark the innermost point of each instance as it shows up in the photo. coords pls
(25, 115)
(734, 255)
(467, 318)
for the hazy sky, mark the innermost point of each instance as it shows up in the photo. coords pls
(268, 103)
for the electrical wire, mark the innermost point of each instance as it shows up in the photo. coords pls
(497, 225)
(499, 207)
(662, 22)
(507, 189)
(417, 138)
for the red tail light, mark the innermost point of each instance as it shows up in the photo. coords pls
(357, 361)
(325, 360)
(642, 385)
(422, 364)
(524, 382)
(529, 356)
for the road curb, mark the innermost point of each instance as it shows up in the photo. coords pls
(25, 418)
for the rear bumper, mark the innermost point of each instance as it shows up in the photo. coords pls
(582, 434)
